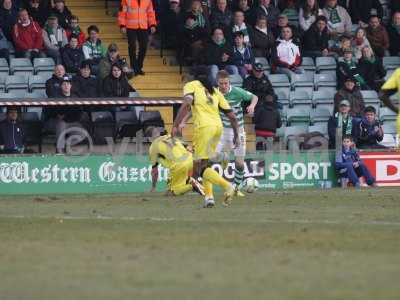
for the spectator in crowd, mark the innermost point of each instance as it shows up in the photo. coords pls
(244, 7)
(135, 18)
(240, 26)
(343, 44)
(308, 14)
(393, 30)
(27, 37)
(38, 11)
(195, 31)
(377, 36)
(116, 84)
(84, 85)
(347, 67)
(53, 84)
(288, 7)
(221, 16)
(11, 133)
(316, 39)
(286, 57)
(62, 12)
(263, 40)
(283, 22)
(370, 132)
(72, 55)
(243, 57)
(394, 5)
(342, 123)
(93, 49)
(4, 46)
(351, 93)
(371, 69)
(339, 21)
(8, 17)
(267, 10)
(219, 55)
(54, 38)
(350, 166)
(358, 42)
(258, 84)
(170, 22)
(360, 11)
(75, 29)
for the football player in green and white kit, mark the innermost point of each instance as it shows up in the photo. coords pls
(235, 96)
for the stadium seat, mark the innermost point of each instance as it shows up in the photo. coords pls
(308, 64)
(20, 66)
(320, 115)
(13, 94)
(388, 140)
(103, 126)
(322, 128)
(298, 116)
(391, 62)
(323, 99)
(4, 69)
(3, 116)
(3, 82)
(283, 97)
(16, 82)
(46, 75)
(263, 61)
(236, 80)
(303, 82)
(32, 127)
(386, 114)
(300, 99)
(36, 94)
(36, 82)
(371, 99)
(43, 65)
(279, 80)
(127, 123)
(324, 80)
(325, 64)
(290, 134)
(35, 109)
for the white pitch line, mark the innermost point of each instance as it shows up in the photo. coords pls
(160, 219)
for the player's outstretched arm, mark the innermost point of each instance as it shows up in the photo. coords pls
(235, 126)
(253, 103)
(154, 177)
(384, 96)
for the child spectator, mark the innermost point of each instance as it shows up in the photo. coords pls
(283, 22)
(358, 42)
(347, 67)
(393, 30)
(377, 36)
(370, 132)
(263, 40)
(371, 69)
(63, 14)
(341, 124)
(11, 133)
(8, 17)
(219, 55)
(53, 85)
(93, 49)
(350, 166)
(75, 29)
(27, 37)
(243, 58)
(350, 92)
(286, 57)
(221, 16)
(240, 26)
(38, 11)
(4, 47)
(54, 38)
(316, 39)
(116, 84)
(84, 85)
(339, 21)
(308, 14)
(72, 55)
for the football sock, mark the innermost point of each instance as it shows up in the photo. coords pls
(182, 189)
(239, 174)
(213, 177)
(208, 189)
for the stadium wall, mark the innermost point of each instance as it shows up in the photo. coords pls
(132, 174)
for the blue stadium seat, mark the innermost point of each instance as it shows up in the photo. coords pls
(37, 110)
(13, 94)
(279, 80)
(283, 97)
(323, 99)
(4, 68)
(236, 80)
(298, 116)
(2, 82)
(391, 62)
(386, 114)
(371, 99)
(20, 66)
(36, 94)
(324, 64)
(43, 65)
(16, 82)
(324, 80)
(320, 115)
(300, 99)
(303, 82)
(308, 64)
(36, 82)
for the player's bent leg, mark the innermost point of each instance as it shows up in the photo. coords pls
(213, 177)
(239, 175)
(181, 189)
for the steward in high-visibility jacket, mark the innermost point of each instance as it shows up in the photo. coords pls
(137, 14)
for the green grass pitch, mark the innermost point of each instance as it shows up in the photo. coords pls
(296, 244)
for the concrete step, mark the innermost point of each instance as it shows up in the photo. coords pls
(161, 93)
(151, 85)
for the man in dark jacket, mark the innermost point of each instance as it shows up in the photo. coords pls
(393, 30)
(11, 133)
(170, 22)
(72, 55)
(266, 118)
(63, 14)
(377, 36)
(262, 40)
(360, 11)
(259, 84)
(268, 10)
(221, 16)
(369, 131)
(352, 94)
(316, 38)
(219, 55)
(53, 84)
(84, 85)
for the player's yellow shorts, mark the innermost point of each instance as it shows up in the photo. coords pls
(205, 141)
(179, 175)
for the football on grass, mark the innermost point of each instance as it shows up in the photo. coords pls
(250, 185)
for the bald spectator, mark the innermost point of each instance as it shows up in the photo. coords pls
(377, 36)
(339, 21)
(54, 83)
(393, 30)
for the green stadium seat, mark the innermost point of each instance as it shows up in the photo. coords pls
(300, 99)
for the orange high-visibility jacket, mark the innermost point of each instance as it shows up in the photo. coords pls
(137, 14)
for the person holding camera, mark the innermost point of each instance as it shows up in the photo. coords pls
(370, 132)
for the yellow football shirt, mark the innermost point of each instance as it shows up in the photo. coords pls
(205, 107)
(168, 151)
(393, 82)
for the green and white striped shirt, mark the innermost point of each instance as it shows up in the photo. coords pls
(235, 97)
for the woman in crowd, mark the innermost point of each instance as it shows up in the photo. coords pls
(308, 14)
(359, 42)
(116, 84)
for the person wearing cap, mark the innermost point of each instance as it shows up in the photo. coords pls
(84, 85)
(350, 92)
(112, 56)
(75, 30)
(53, 84)
(243, 57)
(136, 18)
(62, 12)
(72, 55)
(341, 123)
(267, 10)
(348, 67)
(11, 133)
(263, 40)
(54, 38)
